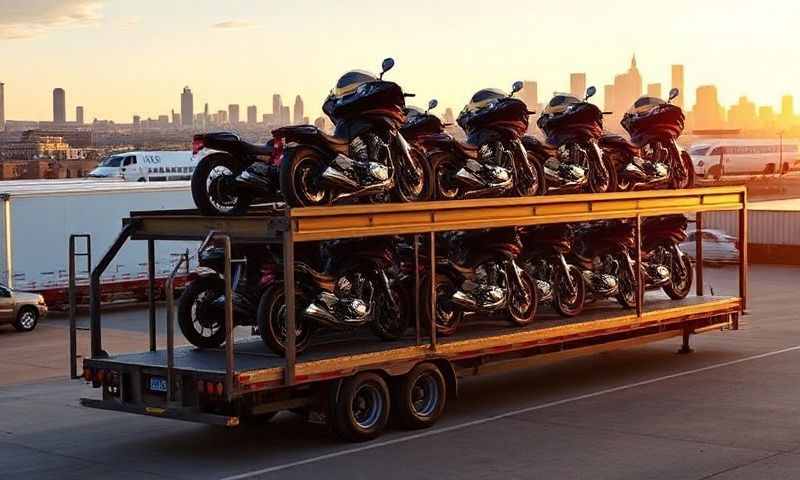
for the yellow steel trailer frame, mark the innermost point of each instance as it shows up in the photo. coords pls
(288, 226)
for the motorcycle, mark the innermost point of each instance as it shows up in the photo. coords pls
(653, 158)
(477, 273)
(493, 162)
(421, 127)
(664, 265)
(602, 251)
(359, 285)
(558, 282)
(232, 174)
(201, 307)
(366, 158)
(573, 160)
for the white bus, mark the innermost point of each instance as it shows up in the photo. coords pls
(723, 157)
(146, 166)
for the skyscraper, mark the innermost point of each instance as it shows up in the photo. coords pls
(707, 110)
(286, 115)
(2, 106)
(787, 107)
(298, 110)
(608, 97)
(59, 106)
(677, 82)
(577, 84)
(79, 115)
(252, 115)
(627, 88)
(206, 120)
(654, 90)
(233, 114)
(277, 104)
(187, 107)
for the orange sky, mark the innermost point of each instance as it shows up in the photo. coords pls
(121, 58)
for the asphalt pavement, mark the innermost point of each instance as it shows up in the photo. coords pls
(730, 410)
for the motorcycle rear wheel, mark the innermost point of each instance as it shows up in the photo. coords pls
(570, 305)
(448, 318)
(522, 315)
(213, 186)
(301, 178)
(193, 312)
(271, 320)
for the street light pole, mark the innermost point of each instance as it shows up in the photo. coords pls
(780, 153)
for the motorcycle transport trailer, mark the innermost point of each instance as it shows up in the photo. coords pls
(347, 383)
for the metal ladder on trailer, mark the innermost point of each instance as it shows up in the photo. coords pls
(72, 294)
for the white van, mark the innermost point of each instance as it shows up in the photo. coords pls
(147, 166)
(718, 158)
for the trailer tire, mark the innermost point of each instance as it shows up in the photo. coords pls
(420, 397)
(361, 410)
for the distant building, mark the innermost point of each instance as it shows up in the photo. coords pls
(222, 117)
(137, 121)
(2, 106)
(529, 94)
(277, 105)
(79, 115)
(321, 123)
(627, 89)
(286, 115)
(83, 138)
(176, 119)
(787, 108)
(206, 119)
(766, 117)
(187, 107)
(163, 121)
(35, 146)
(252, 115)
(654, 90)
(677, 82)
(298, 110)
(268, 119)
(608, 98)
(233, 114)
(743, 115)
(707, 110)
(577, 84)
(59, 106)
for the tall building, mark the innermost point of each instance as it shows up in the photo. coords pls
(2, 106)
(233, 114)
(137, 121)
(59, 106)
(707, 110)
(608, 97)
(627, 88)
(222, 117)
(743, 116)
(529, 94)
(677, 82)
(79, 115)
(277, 105)
(252, 115)
(298, 110)
(577, 84)
(205, 116)
(787, 107)
(187, 107)
(766, 117)
(286, 115)
(654, 90)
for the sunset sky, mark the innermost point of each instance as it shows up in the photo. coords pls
(119, 58)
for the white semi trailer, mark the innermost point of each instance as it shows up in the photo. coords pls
(38, 216)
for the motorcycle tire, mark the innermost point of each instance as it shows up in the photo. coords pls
(681, 289)
(448, 318)
(192, 304)
(526, 315)
(300, 178)
(406, 193)
(572, 306)
(444, 187)
(608, 186)
(271, 321)
(689, 181)
(390, 325)
(627, 293)
(538, 185)
(210, 195)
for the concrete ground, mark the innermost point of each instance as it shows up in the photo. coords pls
(728, 411)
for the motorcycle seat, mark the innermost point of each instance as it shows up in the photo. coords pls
(467, 149)
(255, 149)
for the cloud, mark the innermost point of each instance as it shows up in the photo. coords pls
(30, 18)
(233, 24)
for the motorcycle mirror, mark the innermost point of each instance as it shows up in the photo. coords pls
(432, 104)
(673, 94)
(516, 87)
(590, 92)
(387, 65)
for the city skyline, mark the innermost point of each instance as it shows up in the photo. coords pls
(114, 51)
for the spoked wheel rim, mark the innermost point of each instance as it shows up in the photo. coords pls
(571, 300)
(447, 317)
(202, 322)
(367, 406)
(27, 320)
(218, 185)
(627, 289)
(278, 325)
(523, 310)
(425, 396)
(409, 190)
(599, 180)
(446, 189)
(309, 187)
(683, 283)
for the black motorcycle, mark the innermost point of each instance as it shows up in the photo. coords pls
(602, 251)
(421, 126)
(493, 162)
(359, 284)
(366, 158)
(573, 160)
(653, 158)
(477, 273)
(664, 265)
(544, 258)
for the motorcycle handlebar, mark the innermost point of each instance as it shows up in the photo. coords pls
(409, 94)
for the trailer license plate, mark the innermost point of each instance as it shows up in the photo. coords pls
(158, 384)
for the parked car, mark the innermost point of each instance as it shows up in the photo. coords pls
(718, 246)
(23, 310)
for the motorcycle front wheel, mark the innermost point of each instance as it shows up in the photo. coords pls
(406, 189)
(214, 188)
(602, 180)
(570, 303)
(679, 286)
(522, 312)
(445, 187)
(388, 323)
(526, 186)
(301, 178)
(627, 289)
(687, 179)
(448, 318)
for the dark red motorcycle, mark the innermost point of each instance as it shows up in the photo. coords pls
(664, 265)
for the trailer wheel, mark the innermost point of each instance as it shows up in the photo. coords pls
(361, 411)
(420, 397)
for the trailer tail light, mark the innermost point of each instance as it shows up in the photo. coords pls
(198, 143)
(278, 144)
(209, 388)
(220, 389)
(87, 374)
